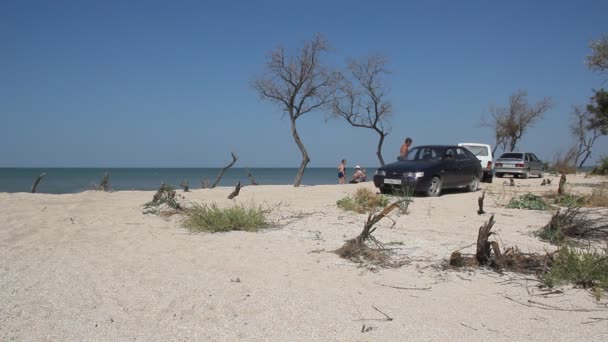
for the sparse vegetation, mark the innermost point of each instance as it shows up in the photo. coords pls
(362, 201)
(165, 202)
(569, 200)
(573, 222)
(586, 268)
(601, 168)
(213, 219)
(528, 201)
(598, 198)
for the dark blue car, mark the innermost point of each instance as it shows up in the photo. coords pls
(430, 169)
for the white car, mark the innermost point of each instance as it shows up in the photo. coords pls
(483, 152)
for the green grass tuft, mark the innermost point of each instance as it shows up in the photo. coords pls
(363, 201)
(586, 268)
(210, 218)
(528, 201)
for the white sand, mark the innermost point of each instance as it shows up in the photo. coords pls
(92, 267)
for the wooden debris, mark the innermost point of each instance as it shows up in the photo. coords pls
(219, 177)
(250, 176)
(184, 185)
(544, 182)
(236, 191)
(480, 203)
(562, 183)
(512, 182)
(205, 184)
(38, 179)
(103, 186)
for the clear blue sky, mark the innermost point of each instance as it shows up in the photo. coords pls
(167, 83)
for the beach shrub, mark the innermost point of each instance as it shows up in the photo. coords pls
(598, 198)
(602, 167)
(212, 219)
(569, 200)
(528, 201)
(586, 268)
(165, 202)
(362, 201)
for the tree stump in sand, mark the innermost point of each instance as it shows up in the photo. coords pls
(512, 182)
(480, 203)
(562, 183)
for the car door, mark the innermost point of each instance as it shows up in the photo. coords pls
(450, 171)
(467, 167)
(537, 165)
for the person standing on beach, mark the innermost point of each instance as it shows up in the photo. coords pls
(342, 171)
(405, 149)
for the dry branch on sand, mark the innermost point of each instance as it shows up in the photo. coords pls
(356, 249)
(480, 203)
(38, 179)
(219, 177)
(164, 202)
(104, 184)
(562, 183)
(250, 176)
(488, 254)
(573, 222)
(237, 190)
(185, 186)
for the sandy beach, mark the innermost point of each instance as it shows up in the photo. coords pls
(91, 267)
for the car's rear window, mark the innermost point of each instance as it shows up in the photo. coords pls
(477, 150)
(512, 155)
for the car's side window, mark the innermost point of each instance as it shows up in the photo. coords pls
(527, 157)
(461, 154)
(534, 158)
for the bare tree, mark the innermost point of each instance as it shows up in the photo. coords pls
(361, 99)
(510, 124)
(299, 84)
(584, 133)
(598, 59)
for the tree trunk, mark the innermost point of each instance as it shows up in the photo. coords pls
(305, 158)
(379, 150)
(584, 159)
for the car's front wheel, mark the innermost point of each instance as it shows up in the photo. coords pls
(499, 175)
(474, 185)
(434, 189)
(385, 190)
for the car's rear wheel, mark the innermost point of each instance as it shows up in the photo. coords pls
(474, 185)
(526, 174)
(542, 174)
(434, 189)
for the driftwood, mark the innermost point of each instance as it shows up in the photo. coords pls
(488, 254)
(205, 184)
(236, 191)
(184, 185)
(219, 177)
(35, 185)
(483, 246)
(544, 182)
(548, 182)
(480, 203)
(250, 176)
(356, 249)
(512, 182)
(562, 183)
(103, 186)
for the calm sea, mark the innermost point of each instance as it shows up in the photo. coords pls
(71, 180)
